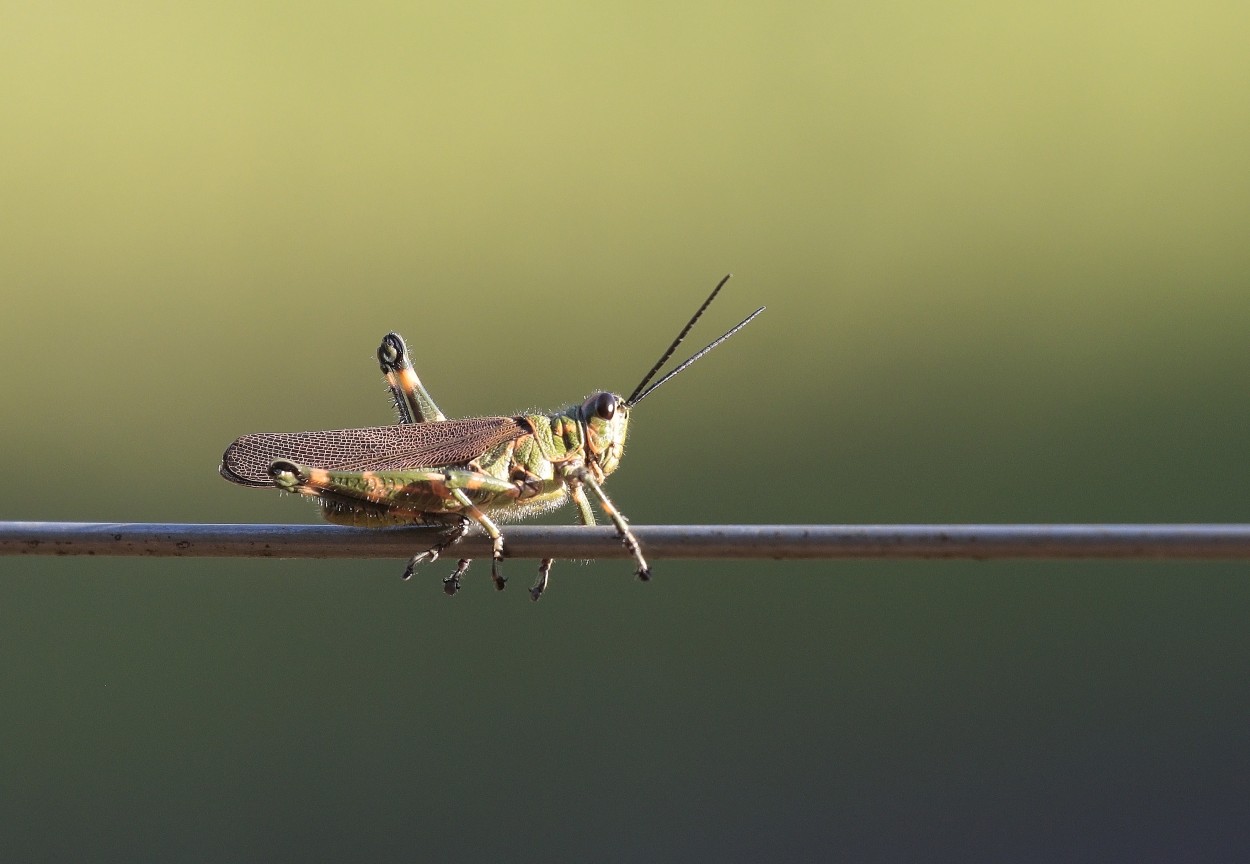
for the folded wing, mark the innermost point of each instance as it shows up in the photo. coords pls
(376, 448)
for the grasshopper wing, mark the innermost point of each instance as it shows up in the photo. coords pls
(376, 448)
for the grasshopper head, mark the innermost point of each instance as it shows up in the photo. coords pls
(606, 418)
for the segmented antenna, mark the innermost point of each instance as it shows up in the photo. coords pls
(641, 391)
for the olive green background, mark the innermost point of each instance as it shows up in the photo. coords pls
(1004, 250)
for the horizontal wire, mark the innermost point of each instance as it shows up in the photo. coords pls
(1175, 541)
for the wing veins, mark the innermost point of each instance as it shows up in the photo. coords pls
(372, 448)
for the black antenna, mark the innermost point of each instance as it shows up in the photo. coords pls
(634, 400)
(641, 391)
(634, 397)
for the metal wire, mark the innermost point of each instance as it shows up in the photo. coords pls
(658, 541)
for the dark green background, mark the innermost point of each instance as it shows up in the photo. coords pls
(1004, 250)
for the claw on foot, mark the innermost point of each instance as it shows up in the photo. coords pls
(452, 583)
(413, 562)
(544, 569)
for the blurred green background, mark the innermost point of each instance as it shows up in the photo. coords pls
(1004, 250)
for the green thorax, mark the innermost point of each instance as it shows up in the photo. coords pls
(560, 442)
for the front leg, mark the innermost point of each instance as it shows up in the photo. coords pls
(622, 527)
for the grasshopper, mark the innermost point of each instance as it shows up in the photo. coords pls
(428, 470)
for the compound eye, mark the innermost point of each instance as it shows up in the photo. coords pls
(602, 405)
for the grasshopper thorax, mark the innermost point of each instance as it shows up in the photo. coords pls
(605, 417)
